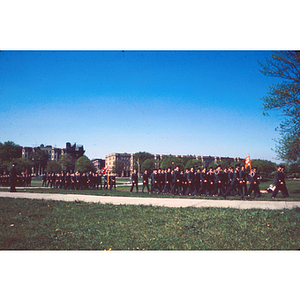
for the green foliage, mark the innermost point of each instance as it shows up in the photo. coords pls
(172, 162)
(24, 165)
(148, 164)
(194, 163)
(67, 162)
(284, 98)
(39, 159)
(58, 225)
(53, 166)
(142, 156)
(264, 167)
(9, 151)
(118, 167)
(83, 164)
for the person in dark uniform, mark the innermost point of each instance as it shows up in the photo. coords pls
(219, 187)
(112, 181)
(204, 188)
(168, 179)
(145, 181)
(13, 177)
(177, 181)
(44, 180)
(253, 183)
(230, 178)
(184, 181)
(78, 180)
(105, 186)
(225, 179)
(243, 181)
(154, 182)
(90, 180)
(67, 181)
(280, 183)
(235, 183)
(134, 181)
(161, 181)
(191, 182)
(99, 180)
(211, 181)
(197, 181)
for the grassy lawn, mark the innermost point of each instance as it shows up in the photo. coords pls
(57, 225)
(292, 185)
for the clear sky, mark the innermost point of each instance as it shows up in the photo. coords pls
(164, 102)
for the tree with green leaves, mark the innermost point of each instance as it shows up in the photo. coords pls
(284, 100)
(265, 167)
(118, 167)
(40, 159)
(67, 162)
(53, 167)
(172, 162)
(194, 163)
(148, 164)
(83, 164)
(24, 165)
(9, 151)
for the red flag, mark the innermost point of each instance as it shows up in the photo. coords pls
(105, 169)
(247, 162)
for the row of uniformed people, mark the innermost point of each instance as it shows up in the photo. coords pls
(78, 181)
(211, 182)
(21, 180)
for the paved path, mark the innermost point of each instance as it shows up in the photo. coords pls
(168, 202)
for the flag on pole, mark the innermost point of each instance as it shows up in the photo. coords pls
(105, 169)
(247, 162)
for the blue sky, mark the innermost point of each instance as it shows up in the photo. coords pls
(165, 102)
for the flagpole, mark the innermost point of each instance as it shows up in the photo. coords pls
(107, 177)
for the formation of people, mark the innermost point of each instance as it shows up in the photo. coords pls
(206, 182)
(191, 182)
(79, 181)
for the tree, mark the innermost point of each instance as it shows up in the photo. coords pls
(172, 162)
(39, 159)
(194, 163)
(148, 164)
(67, 162)
(83, 164)
(118, 167)
(142, 156)
(53, 167)
(9, 151)
(284, 98)
(265, 167)
(24, 165)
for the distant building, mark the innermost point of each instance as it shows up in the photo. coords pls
(128, 160)
(98, 163)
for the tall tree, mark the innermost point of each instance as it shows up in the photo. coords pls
(67, 162)
(39, 159)
(284, 99)
(118, 167)
(9, 151)
(83, 164)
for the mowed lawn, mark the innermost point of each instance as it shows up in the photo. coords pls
(57, 225)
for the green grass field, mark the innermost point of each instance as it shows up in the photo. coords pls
(57, 225)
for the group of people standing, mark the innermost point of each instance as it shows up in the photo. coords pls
(208, 182)
(13, 179)
(78, 181)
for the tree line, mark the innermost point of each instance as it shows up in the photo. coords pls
(39, 161)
